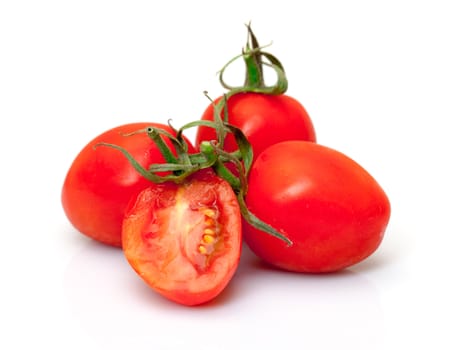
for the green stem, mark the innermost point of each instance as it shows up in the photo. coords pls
(155, 135)
(241, 182)
(255, 59)
(136, 165)
(259, 224)
(219, 126)
(226, 174)
(253, 62)
(212, 153)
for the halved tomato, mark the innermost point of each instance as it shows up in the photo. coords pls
(184, 240)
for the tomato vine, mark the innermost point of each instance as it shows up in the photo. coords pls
(211, 153)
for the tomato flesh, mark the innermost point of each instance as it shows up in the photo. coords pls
(264, 119)
(332, 209)
(184, 240)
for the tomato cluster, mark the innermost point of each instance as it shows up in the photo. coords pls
(255, 173)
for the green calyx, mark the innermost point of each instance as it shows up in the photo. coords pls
(177, 168)
(255, 59)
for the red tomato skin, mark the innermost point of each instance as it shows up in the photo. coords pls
(165, 225)
(101, 181)
(331, 208)
(264, 119)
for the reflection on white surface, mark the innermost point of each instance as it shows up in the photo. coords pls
(260, 307)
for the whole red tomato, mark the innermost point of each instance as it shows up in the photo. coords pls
(101, 181)
(331, 208)
(184, 240)
(264, 119)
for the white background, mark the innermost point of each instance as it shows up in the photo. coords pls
(380, 80)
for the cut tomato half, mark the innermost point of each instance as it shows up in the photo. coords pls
(184, 240)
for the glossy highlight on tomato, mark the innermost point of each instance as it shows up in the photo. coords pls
(264, 119)
(100, 181)
(330, 207)
(184, 240)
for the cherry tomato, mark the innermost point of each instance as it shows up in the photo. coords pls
(264, 119)
(101, 181)
(184, 240)
(331, 208)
